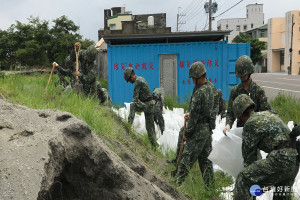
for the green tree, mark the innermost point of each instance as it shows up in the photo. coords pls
(256, 45)
(33, 41)
(86, 43)
(8, 47)
(64, 35)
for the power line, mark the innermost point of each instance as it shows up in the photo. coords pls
(229, 8)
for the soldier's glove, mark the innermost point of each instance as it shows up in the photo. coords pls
(227, 128)
(296, 131)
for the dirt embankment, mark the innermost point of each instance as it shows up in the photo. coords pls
(49, 154)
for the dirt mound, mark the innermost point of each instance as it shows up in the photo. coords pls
(49, 154)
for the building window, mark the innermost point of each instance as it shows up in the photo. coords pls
(262, 34)
(299, 52)
(238, 27)
(245, 27)
(252, 25)
(112, 26)
(219, 28)
(226, 26)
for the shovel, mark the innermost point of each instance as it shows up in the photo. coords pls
(173, 173)
(54, 65)
(78, 86)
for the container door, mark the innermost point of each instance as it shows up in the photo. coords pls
(168, 73)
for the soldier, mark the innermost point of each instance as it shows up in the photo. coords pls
(103, 95)
(264, 131)
(86, 73)
(142, 102)
(221, 102)
(198, 136)
(243, 69)
(212, 121)
(158, 96)
(66, 72)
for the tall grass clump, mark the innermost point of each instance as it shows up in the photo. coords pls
(172, 102)
(287, 106)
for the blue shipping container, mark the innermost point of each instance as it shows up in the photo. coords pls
(154, 62)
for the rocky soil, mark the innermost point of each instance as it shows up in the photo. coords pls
(49, 154)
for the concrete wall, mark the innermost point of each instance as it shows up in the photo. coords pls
(275, 43)
(118, 21)
(279, 39)
(296, 41)
(159, 19)
(254, 19)
(101, 68)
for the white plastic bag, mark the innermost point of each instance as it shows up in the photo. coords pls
(227, 153)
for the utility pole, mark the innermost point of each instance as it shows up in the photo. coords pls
(178, 22)
(210, 14)
(291, 49)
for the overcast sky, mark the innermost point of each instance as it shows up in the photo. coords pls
(88, 14)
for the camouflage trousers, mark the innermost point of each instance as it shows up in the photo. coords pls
(197, 149)
(277, 170)
(89, 88)
(147, 108)
(158, 117)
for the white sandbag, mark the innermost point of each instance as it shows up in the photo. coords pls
(227, 153)
(168, 139)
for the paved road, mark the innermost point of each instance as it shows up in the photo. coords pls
(273, 83)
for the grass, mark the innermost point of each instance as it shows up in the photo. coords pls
(172, 102)
(288, 107)
(30, 91)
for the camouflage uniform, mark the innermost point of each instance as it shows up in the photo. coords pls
(62, 81)
(212, 121)
(198, 132)
(243, 67)
(142, 102)
(221, 102)
(264, 131)
(103, 95)
(158, 108)
(87, 69)
(267, 132)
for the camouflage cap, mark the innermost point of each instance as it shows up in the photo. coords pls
(243, 66)
(219, 91)
(240, 104)
(127, 73)
(197, 70)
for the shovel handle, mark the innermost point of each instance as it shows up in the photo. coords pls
(173, 173)
(77, 55)
(54, 65)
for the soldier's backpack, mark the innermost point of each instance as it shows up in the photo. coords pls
(158, 96)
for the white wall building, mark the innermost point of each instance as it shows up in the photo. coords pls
(254, 18)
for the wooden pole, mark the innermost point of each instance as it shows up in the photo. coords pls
(54, 65)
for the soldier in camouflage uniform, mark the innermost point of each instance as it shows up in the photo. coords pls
(243, 69)
(86, 73)
(67, 72)
(198, 136)
(212, 121)
(103, 95)
(158, 96)
(264, 131)
(221, 102)
(142, 102)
